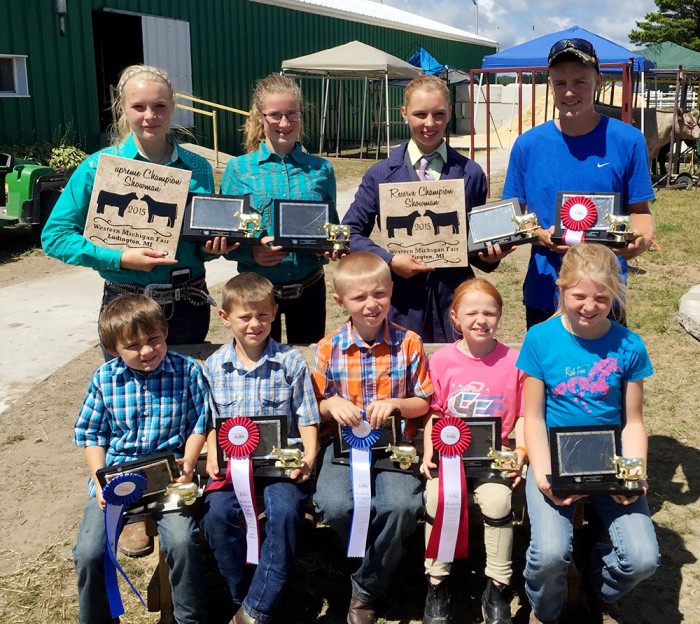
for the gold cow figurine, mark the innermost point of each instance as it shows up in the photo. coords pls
(504, 461)
(339, 235)
(250, 223)
(289, 459)
(404, 455)
(527, 223)
(186, 492)
(618, 226)
(630, 470)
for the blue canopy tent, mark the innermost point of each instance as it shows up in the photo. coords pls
(534, 53)
(430, 65)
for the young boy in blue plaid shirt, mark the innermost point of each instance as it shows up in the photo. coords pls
(145, 401)
(255, 375)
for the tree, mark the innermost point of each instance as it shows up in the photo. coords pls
(677, 21)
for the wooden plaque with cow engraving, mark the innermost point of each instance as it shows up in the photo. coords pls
(136, 204)
(426, 220)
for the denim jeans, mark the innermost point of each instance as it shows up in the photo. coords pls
(179, 538)
(397, 499)
(222, 524)
(614, 569)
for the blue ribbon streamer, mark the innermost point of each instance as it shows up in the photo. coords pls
(123, 490)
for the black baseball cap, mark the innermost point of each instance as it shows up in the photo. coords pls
(579, 48)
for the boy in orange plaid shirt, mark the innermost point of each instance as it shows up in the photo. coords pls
(372, 365)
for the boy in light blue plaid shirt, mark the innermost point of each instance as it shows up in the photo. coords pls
(145, 401)
(254, 375)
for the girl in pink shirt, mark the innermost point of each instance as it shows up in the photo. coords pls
(476, 376)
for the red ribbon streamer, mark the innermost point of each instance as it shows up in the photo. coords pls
(450, 447)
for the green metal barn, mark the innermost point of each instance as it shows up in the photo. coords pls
(58, 58)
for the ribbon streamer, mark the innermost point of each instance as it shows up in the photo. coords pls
(238, 438)
(449, 538)
(121, 491)
(360, 438)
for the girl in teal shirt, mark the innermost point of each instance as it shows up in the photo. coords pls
(276, 167)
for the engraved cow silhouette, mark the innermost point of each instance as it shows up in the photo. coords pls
(401, 222)
(160, 209)
(444, 219)
(118, 200)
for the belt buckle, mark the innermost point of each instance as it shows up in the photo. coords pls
(290, 291)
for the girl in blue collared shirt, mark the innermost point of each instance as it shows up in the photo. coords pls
(144, 107)
(276, 167)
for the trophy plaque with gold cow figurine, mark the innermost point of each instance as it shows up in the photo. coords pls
(272, 457)
(591, 217)
(587, 460)
(309, 225)
(208, 216)
(500, 223)
(389, 452)
(484, 458)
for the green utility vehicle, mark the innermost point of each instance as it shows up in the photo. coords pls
(28, 192)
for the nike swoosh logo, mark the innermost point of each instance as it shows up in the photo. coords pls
(602, 165)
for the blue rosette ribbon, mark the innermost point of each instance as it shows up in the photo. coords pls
(360, 438)
(121, 491)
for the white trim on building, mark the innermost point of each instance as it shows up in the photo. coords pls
(370, 12)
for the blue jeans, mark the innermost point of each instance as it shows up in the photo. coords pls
(222, 524)
(179, 538)
(397, 499)
(614, 569)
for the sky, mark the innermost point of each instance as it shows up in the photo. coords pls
(511, 22)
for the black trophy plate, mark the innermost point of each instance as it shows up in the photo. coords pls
(598, 208)
(207, 216)
(499, 223)
(485, 435)
(160, 470)
(583, 461)
(273, 433)
(302, 224)
(391, 434)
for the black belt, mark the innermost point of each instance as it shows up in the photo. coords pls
(193, 291)
(294, 291)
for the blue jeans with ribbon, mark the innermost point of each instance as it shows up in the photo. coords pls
(613, 570)
(221, 522)
(397, 500)
(179, 538)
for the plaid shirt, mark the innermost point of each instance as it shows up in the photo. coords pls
(395, 366)
(279, 383)
(134, 415)
(265, 176)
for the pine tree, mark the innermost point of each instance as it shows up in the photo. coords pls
(677, 21)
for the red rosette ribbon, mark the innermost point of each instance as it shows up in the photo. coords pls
(238, 437)
(451, 436)
(449, 538)
(578, 213)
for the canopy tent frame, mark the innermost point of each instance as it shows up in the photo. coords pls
(341, 63)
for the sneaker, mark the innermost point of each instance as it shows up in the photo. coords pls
(133, 541)
(437, 604)
(495, 604)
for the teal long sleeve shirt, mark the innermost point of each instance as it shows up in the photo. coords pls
(63, 238)
(265, 176)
